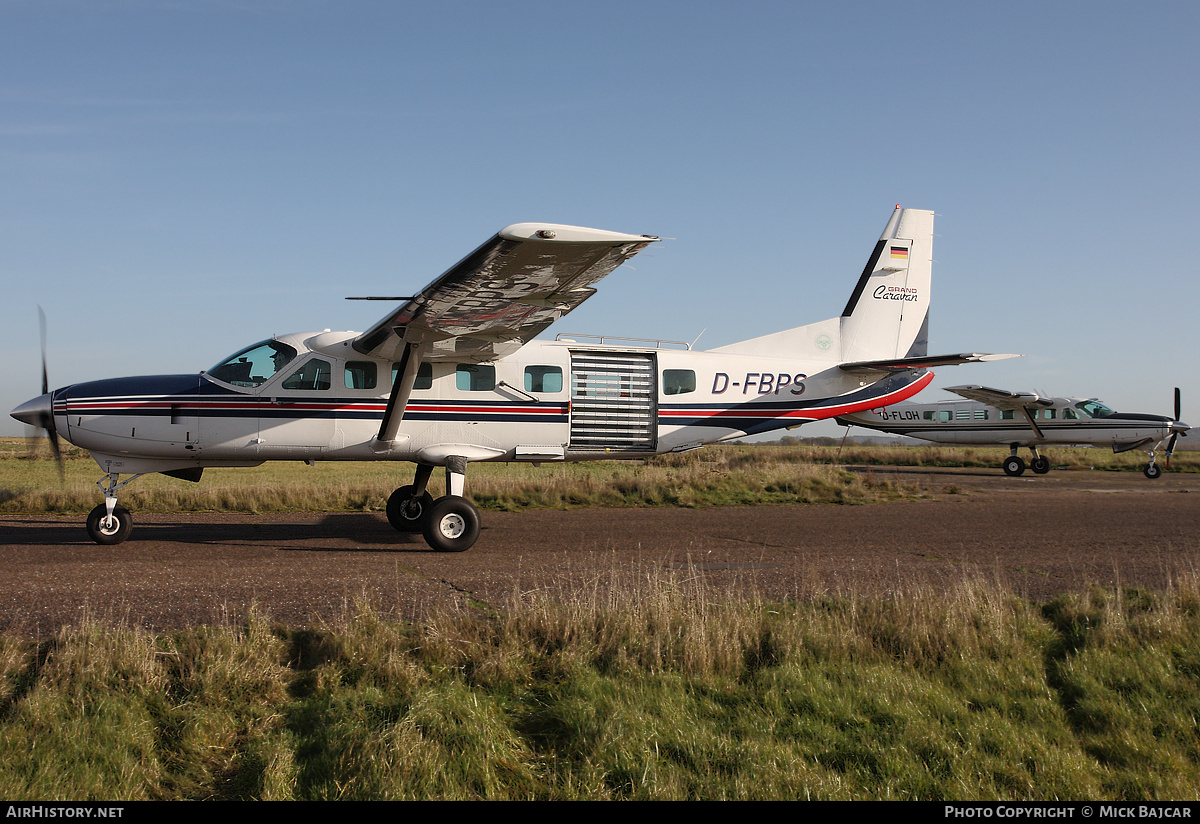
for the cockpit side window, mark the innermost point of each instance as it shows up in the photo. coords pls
(313, 375)
(1094, 409)
(255, 364)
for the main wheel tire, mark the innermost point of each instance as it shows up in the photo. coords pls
(108, 535)
(1040, 465)
(1014, 466)
(453, 524)
(406, 512)
(1152, 471)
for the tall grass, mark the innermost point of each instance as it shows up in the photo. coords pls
(723, 475)
(669, 689)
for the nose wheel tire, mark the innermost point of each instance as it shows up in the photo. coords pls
(406, 512)
(1152, 471)
(106, 532)
(453, 524)
(1014, 466)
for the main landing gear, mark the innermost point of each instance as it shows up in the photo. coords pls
(1014, 466)
(449, 524)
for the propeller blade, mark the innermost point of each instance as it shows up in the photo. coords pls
(42, 329)
(1178, 406)
(47, 421)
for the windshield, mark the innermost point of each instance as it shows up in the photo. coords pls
(255, 364)
(1094, 409)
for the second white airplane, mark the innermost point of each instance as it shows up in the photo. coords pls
(1016, 419)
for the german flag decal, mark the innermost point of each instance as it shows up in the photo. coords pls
(900, 252)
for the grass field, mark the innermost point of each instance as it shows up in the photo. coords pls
(969, 695)
(714, 476)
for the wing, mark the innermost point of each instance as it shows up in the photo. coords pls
(503, 294)
(1000, 398)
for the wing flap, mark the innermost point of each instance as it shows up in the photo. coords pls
(504, 293)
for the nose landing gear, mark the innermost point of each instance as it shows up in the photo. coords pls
(109, 524)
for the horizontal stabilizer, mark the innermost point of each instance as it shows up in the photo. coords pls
(922, 362)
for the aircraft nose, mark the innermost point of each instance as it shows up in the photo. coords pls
(35, 412)
(1180, 427)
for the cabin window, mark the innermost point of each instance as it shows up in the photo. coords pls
(962, 414)
(1008, 414)
(361, 375)
(1049, 414)
(944, 415)
(1070, 415)
(255, 364)
(475, 377)
(678, 381)
(312, 376)
(424, 375)
(980, 414)
(543, 379)
(928, 414)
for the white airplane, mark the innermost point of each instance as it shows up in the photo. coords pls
(454, 376)
(1016, 419)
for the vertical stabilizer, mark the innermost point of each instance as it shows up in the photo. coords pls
(888, 314)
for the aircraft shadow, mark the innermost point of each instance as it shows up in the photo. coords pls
(332, 533)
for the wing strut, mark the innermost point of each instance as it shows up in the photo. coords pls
(1032, 422)
(402, 386)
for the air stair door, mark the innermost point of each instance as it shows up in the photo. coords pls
(613, 402)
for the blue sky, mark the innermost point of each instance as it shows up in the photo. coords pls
(180, 179)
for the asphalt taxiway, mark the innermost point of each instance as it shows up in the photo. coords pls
(1039, 535)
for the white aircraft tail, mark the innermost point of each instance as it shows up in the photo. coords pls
(887, 315)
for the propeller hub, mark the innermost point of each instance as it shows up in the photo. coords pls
(38, 412)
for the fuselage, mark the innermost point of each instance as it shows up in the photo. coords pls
(313, 397)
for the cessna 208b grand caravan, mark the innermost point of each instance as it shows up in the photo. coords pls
(453, 376)
(1016, 419)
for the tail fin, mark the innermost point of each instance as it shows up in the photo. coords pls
(887, 316)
